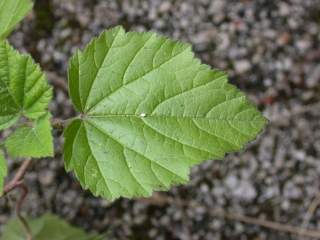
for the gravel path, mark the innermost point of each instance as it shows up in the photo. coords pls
(271, 50)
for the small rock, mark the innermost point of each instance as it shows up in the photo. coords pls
(165, 6)
(242, 66)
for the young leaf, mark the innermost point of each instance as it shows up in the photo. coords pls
(23, 87)
(32, 141)
(3, 172)
(149, 111)
(11, 13)
(46, 227)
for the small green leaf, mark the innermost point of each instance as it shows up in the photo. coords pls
(11, 13)
(23, 87)
(44, 228)
(3, 172)
(149, 112)
(31, 141)
(7, 121)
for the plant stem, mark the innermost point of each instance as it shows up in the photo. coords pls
(269, 224)
(60, 124)
(220, 213)
(311, 210)
(18, 176)
(24, 192)
(17, 182)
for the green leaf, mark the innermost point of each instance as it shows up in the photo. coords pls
(23, 87)
(149, 112)
(7, 121)
(46, 227)
(3, 172)
(11, 13)
(31, 141)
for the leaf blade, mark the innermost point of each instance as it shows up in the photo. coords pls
(32, 141)
(146, 91)
(3, 172)
(24, 90)
(11, 13)
(46, 225)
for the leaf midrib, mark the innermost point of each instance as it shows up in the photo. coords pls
(88, 117)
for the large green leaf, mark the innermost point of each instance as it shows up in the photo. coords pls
(23, 87)
(31, 141)
(149, 111)
(11, 13)
(3, 172)
(44, 228)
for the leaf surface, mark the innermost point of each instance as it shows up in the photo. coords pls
(31, 141)
(3, 172)
(11, 13)
(46, 227)
(24, 90)
(150, 111)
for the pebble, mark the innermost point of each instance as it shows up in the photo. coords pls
(242, 66)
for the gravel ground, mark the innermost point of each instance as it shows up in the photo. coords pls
(270, 48)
